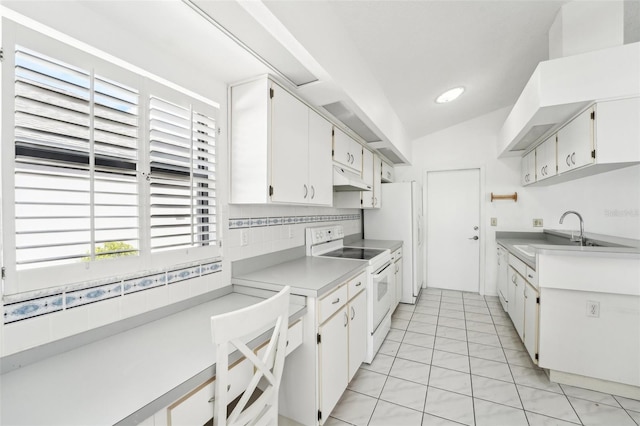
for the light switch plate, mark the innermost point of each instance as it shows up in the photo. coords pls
(593, 309)
(537, 223)
(494, 221)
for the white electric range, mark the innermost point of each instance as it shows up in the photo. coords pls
(327, 241)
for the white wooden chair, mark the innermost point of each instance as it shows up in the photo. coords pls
(230, 329)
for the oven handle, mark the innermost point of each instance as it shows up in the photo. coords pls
(380, 271)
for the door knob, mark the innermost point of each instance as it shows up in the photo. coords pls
(475, 237)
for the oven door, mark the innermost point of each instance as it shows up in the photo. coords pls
(383, 293)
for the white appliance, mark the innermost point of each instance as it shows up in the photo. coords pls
(400, 218)
(503, 272)
(328, 241)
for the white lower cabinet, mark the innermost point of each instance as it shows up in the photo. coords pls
(342, 341)
(531, 319)
(357, 311)
(333, 359)
(397, 260)
(524, 304)
(516, 300)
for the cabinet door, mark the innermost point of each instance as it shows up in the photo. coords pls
(387, 172)
(289, 148)
(320, 168)
(528, 168)
(377, 181)
(333, 360)
(341, 148)
(516, 300)
(399, 278)
(368, 177)
(546, 159)
(531, 309)
(575, 142)
(357, 310)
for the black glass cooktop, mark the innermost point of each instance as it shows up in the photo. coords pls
(354, 253)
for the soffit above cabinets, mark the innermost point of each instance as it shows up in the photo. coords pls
(232, 18)
(561, 88)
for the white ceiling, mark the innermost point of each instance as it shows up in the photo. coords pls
(418, 49)
(384, 60)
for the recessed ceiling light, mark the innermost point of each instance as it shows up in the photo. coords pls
(450, 95)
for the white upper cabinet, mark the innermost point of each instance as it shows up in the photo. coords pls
(546, 159)
(346, 151)
(366, 197)
(377, 181)
(604, 137)
(387, 172)
(575, 142)
(528, 168)
(280, 148)
(320, 167)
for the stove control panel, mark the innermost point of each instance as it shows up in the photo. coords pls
(323, 234)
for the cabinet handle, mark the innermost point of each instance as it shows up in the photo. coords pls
(568, 164)
(389, 175)
(306, 191)
(530, 276)
(336, 301)
(375, 201)
(352, 158)
(346, 319)
(513, 279)
(573, 158)
(353, 313)
(359, 284)
(348, 158)
(313, 192)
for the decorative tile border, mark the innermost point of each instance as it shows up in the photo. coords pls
(92, 293)
(237, 223)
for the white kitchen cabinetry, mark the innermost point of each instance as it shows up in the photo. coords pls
(528, 168)
(503, 277)
(371, 174)
(531, 320)
(357, 311)
(342, 344)
(347, 151)
(387, 173)
(516, 300)
(397, 261)
(546, 159)
(604, 137)
(575, 142)
(524, 303)
(280, 148)
(333, 359)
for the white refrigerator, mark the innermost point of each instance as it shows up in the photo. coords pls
(400, 218)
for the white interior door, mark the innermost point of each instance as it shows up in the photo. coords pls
(453, 234)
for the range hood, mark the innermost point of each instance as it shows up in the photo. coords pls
(344, 180)
(561, 88)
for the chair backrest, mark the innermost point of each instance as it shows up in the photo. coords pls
(228, 331)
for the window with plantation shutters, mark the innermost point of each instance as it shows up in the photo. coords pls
(182, 176)
(76, 138)
(107, 169)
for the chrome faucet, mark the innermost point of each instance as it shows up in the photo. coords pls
(581, 237)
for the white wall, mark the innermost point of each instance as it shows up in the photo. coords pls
(609, 202)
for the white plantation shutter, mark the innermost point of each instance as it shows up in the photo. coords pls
(182, 176)
(75, 163)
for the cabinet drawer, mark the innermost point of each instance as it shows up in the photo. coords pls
(532, 277)
(294, 336)
(518, 265)
(197, 406)
(357, 284)
(396, 255)
(329, 304)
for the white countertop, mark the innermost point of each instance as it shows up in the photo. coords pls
(104, 382)
(307, 276)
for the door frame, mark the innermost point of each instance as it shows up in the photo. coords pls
(483, 200)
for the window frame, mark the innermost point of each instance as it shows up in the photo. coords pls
(41, 278)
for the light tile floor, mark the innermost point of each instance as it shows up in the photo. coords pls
(455, 358)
